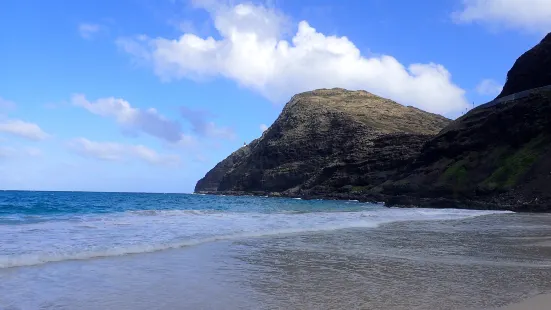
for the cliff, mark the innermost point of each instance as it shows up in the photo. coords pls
(326, 141)
(497, 157)
(334, 143)
(531, 70)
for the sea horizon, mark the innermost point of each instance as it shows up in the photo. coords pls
(92, 191)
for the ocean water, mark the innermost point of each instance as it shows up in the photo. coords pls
(75, 250)
(41, 227)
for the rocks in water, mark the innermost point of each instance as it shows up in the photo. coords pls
(326, 141)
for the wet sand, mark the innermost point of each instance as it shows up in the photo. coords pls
(486, 262)
(540, 302)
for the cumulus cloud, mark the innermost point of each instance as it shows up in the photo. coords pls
(87, 31)
(263, 127)
(22, 129)
(488, 87)
(132, 119)
(251, 51)
(530, 15)
(202, 127)
(111, 151)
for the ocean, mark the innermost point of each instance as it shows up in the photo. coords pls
(79, 250)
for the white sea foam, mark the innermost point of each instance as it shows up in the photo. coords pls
(144, 231)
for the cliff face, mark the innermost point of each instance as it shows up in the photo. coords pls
(212, 179)
(326, 141)
(343, 144)
(495, 157)
(531, 70)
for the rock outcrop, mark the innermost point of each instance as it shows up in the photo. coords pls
(326, 141)
(531, 70)
(495, 157)
(334, 143)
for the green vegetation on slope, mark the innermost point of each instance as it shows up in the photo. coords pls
(456, 173)
(514, 164)
(457, 176)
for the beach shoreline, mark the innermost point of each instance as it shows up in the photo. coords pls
(398, 201)
(266, 254)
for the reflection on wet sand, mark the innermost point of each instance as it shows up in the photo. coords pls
(477, 263)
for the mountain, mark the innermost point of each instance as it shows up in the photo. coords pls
(326, 142)
(496, 156)
(531, 70)
(334, 143)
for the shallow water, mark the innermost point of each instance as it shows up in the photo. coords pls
(209, 252)
(41, 227)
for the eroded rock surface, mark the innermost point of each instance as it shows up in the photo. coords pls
(324, 141)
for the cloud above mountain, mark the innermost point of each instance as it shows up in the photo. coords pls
(251, 50)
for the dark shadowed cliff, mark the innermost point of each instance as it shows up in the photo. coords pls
(326, 141)
(496, 156)
(531, 70)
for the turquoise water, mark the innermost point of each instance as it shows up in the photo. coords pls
(42, 227)
(57, 204)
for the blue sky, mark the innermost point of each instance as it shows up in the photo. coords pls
(148, 95)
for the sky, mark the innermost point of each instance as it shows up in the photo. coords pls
(148, 95)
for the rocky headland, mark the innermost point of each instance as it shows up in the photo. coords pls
(326, 141)
(341, 144)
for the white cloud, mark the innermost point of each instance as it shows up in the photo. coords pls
(251, 52)
(187, 141)
(202, 127)
(87, 31)
(22, 129)
(132, 119)
(488, 87)
(530, 15)
(263, 127)
(112, 151)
